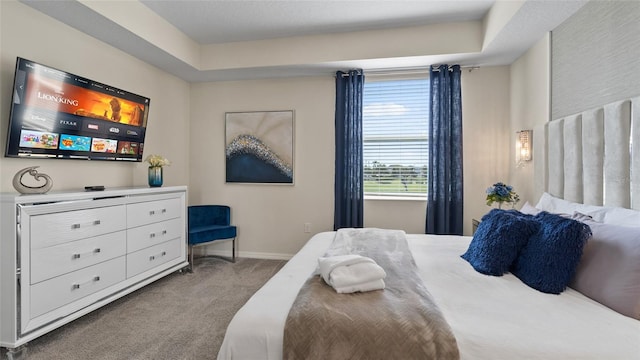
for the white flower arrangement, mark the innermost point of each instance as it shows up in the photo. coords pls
(157, 161)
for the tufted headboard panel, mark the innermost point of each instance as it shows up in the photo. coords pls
(592, 157)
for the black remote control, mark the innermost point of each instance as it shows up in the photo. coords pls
(94, 188)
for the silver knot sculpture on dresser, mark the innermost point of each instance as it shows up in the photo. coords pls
(26, 189)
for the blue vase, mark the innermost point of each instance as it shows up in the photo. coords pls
(155, 176)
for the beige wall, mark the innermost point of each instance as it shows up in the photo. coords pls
(407, 215)
(52, 43)
(270, 218)
(530, 107)
(485, 118)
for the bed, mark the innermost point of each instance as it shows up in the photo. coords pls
(500, 317)
(511, 321)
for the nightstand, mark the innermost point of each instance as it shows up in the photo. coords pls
(474, 225)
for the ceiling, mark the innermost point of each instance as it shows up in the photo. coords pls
(214, 22)
(184, 37)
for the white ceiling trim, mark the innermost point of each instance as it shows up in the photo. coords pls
(499, 38)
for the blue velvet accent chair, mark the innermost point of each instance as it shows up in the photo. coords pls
(209, 223)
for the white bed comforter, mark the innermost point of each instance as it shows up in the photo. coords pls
(491, 317)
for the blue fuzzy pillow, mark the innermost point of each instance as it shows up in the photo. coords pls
(498, 239)
(548, 261)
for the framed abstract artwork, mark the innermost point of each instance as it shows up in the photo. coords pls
(259, 147)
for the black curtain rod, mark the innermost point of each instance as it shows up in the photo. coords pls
(436, 68)
(346, 73)
(400, 70)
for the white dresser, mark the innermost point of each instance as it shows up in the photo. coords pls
(63, 255)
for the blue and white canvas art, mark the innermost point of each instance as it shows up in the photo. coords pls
(259, 147)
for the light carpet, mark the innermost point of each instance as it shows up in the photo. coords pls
(181, 316)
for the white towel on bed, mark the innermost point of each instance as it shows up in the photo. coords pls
(362, 287)
(351, 273)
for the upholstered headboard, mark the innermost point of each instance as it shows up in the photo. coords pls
(592, 157)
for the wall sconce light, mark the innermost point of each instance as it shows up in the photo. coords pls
(523, 146)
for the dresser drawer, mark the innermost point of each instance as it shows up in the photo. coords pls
(53, 229)
(60, 259)
(144, 236)
(51, 294)
(153, 211)
(148, 258)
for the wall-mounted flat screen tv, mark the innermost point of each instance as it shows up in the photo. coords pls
(56, 114)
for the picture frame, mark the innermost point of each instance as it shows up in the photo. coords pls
(259, 147)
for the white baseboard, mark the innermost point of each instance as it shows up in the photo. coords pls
(246, 254)
(261, 255)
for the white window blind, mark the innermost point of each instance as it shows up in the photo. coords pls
(395, 137)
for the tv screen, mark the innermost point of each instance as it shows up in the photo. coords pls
(56, 114)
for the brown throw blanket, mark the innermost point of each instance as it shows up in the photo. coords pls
(400, 322)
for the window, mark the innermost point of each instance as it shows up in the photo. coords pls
(395, 137)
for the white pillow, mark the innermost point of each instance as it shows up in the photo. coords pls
(603, 214)
(552, 204)
(529, 209)
(609, 271)
(616, 216)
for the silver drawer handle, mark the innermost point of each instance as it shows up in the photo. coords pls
(77, 285)
(78, 225)
(153, 212)
(153, 257)
(78, 255)
(152, 235)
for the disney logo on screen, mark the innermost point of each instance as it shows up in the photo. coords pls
(37, 117)
(114, 130)
(57, 99)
